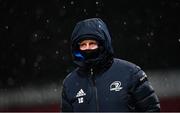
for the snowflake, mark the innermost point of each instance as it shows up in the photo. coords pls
(97, 3)
(149, 44)
(138, 38)
(151, 33)
(35, 35)
(57, 52)
(47, 20)
(72, 2)
(84, 10)
(7, 27)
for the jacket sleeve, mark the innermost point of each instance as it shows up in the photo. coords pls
(65, 103)
(143, 94)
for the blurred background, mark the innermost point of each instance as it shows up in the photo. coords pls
(35, 50)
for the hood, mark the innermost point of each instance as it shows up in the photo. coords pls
(93, 28)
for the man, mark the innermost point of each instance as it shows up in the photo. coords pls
(103, 83)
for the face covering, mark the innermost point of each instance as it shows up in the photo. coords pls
(87, 54)
(90, 53)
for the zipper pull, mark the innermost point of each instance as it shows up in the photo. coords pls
(91, 71)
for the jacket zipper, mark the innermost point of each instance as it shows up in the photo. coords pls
(95, 89)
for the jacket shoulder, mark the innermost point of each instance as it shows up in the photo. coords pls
(70, 77)
(126, 65)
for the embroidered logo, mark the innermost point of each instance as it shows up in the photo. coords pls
(115, 86)
(80, 95)
(80, 100)
(144, 76)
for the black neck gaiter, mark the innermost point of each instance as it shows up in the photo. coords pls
(90, 53)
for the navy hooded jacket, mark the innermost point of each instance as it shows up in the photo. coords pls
(105, 84)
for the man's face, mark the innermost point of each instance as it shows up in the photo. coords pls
(88, 45)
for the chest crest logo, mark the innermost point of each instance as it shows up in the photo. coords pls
(116, 86)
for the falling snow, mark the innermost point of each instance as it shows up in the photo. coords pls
(36, 64)
(47, 20)
(124, 23)
(138, 38)
(7, 27)
(72, 2)
(84, 10)
(35, 36)
(151, 34)
(55, 90)
(48, 37)
(23, 61)
(57, 52)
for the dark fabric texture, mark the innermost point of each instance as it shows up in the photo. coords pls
(95, 29)
(105, 84)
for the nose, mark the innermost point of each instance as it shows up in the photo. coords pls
(88, 46)
(85, 46)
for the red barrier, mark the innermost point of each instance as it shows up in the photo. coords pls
(170, 104)
(34, 108)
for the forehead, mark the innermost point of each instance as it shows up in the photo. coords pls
(88, 41)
